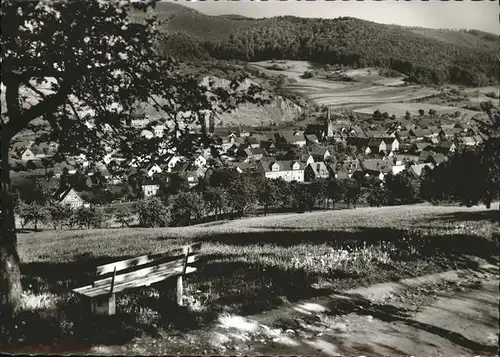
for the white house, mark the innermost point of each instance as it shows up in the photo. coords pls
(159, 130)
(173, 161)
(72, 198)
(396, 169)
(288, 170)
(150, 188)
(201, 160)
(155, 169)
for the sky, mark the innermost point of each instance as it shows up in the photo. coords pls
(481, 15)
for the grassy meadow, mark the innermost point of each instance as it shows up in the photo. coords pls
(248, 266)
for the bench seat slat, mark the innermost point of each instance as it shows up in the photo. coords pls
(91, 291)
(145, 271)
(145, 259)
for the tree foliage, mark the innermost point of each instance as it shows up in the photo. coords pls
(187, 206)
(79, 70)
(215, 200)
(152, 212)
(347, 41)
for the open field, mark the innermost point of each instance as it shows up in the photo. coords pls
(399, 109)
(370, 87)
(249, 266)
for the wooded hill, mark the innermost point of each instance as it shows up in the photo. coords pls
(426, 56)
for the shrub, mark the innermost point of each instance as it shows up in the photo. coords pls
(123, 217)
(491, 95)
(307, 74)
(153, 213)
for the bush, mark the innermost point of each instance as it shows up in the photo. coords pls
(307, 74)
(123, 217)
(492, 95)
(153, 213)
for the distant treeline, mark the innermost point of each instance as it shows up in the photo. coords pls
(346, 41)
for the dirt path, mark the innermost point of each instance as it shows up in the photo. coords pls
(452, 313)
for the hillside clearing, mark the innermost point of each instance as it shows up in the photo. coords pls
(370, 88)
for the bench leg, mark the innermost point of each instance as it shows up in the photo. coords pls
(179, 290)
(104, 305)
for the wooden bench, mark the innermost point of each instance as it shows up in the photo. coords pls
(137, 272)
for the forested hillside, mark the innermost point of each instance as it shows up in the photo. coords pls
(424, 55)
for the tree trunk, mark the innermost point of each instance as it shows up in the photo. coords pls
(10, 275)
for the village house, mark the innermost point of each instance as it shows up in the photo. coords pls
(436, 159)
(406, 158)
(252, 141)
(150, 187)
(375, 168)
(250, 154)
(403, 134)
(417, 169)
(201, 160)
(70, 197)
(357, 131)
(448, 133)
(268, 146)
(318, 130)
(466, 141)
(288, 170)
(445, 147)
(35, 151)
(421, 146)
(377, 145)
(154, 169)
(311, 139)
(139, 123)
(173, 161)
(241, 167)
(478, 139)
(320, 153)
(316, 170)
(306, 159)
(159, 130)
(421, 134)
(291, 137)
(191, 177)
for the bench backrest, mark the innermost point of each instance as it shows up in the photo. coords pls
(166, 263)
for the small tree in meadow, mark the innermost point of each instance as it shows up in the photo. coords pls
(33, 212)
(421, 112)
(186, 206)
(60, 214)
(153, 213)
(377, 196)
(268, 195)
(352, 191)
(88, 217)
(242, 195)
(215, 200)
